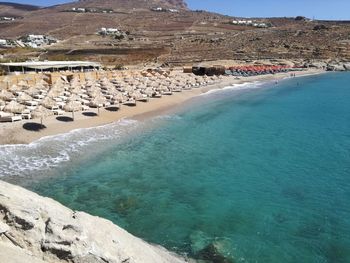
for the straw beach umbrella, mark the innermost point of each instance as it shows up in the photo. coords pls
(14, 107)
(41, 112)
(74, 97)
(119, 97)
(15, 88)
(33, 90)
(73, 106)
(2, 103)
(48, 102)
(6, 95)
(24, 97)
(98, 101)
(55, 92)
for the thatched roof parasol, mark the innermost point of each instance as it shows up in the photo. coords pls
(48, 103)
(24, 97)
(73, 106)
(6, 95)
(41, 112)
(14, 107)
(15, 88)
(33, 90)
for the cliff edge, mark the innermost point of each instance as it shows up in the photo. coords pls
(39, 229)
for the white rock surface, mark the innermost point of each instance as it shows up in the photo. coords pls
(38, 229)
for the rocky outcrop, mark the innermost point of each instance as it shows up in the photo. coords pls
(38, 229)
(335, 67)
(329, 66)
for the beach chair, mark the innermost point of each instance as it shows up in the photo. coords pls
(85, 108)
(11, 118)
(58, 112)
(26, 115)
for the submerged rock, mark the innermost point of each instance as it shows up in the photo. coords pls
(199, 241)
(208, 250)
(38, 229)
(212, 253)
(125, 204)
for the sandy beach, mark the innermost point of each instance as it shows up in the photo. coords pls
(14, 133)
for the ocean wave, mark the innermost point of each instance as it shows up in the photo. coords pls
(51, 151)
(167, 117)
(242, 86)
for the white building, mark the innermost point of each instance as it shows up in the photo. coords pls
(3, 42)
(109, 31)
(250, 23)
(6, 18)
(36, 41)
(79, 9)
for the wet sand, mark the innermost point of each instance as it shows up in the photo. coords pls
(15, 133)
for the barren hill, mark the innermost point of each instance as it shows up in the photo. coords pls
(128, 4)
(13, 9)
(175, 37)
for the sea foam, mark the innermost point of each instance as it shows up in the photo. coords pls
(236, 87)
(51, 151)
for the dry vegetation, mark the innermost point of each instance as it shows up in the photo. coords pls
(177, 38)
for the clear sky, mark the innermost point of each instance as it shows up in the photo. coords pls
(319, 9)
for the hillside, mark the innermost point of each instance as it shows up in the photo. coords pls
(180, 37)
(127, 4)
(13, 9)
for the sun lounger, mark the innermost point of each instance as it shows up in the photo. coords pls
(39, 96)
(26, 116)
(31, 108)
(53, 108)
(58, 112)
(85, 108)
(31, 103)
(5, 114)
(85, 102)
(11, 118)
(57, 99)
(61, 104)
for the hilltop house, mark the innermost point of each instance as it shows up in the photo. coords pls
(7, 18)
(113, 32)
(36, 41)
(250, 23)
(7, 43)
(161, 9)
(89, 10)
(158, 9)
(109, 31)
(78, 9)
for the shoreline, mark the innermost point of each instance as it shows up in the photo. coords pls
(14, 133)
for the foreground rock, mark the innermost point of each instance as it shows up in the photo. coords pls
(38, 229)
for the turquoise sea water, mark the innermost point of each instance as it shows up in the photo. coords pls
(255, 175)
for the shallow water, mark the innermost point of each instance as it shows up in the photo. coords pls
(262, 172)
